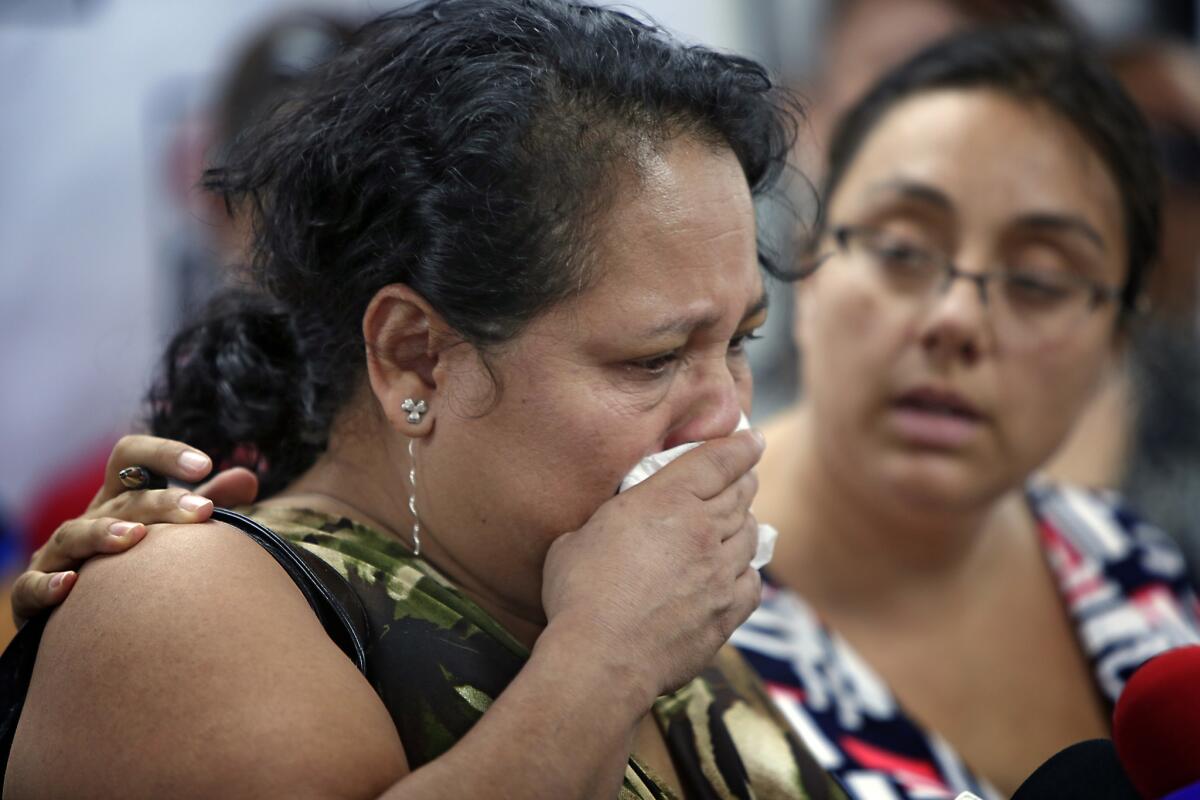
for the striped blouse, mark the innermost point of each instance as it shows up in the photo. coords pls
(1122, 581)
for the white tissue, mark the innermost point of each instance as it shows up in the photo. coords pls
(656, 461)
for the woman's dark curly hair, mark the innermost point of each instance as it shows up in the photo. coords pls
(464, 148)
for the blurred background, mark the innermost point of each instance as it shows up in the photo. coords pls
(112, 108)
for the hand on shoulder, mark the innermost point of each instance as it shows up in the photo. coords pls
(191, 665)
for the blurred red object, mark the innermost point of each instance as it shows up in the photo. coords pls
(67, 495)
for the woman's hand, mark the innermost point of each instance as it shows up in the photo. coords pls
(659, 577)
(116, 519)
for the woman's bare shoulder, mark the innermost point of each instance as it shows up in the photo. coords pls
(191, 665)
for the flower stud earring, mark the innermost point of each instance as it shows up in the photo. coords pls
(415, 408)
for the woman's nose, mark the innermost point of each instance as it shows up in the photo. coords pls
(713, 409)
(955, 323)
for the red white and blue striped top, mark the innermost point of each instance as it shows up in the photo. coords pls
(1123, 582)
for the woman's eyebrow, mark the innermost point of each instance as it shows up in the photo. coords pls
(692, 322)
(1044, 220)
(1068, 223)
(912, 190)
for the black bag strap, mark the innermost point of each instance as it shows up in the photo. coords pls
(16, 669)
(327, 592)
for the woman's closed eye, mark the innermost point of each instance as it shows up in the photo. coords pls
(1035, 290)
(655, 366)
(737, 345)
(662, 364)
(900, 253)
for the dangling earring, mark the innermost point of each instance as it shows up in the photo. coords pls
(412, 495)
(415, 408)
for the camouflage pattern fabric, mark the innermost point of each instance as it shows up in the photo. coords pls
(438, 661)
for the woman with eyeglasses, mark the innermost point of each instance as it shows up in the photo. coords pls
(936, 618)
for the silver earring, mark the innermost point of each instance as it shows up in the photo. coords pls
(412, 495)
(415, 408)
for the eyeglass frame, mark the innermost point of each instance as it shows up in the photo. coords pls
(1099, 293)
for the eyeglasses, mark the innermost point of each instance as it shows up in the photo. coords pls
(1026, 307)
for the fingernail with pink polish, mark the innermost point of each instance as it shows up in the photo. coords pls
(193, 502)
(57, 578)
(192, 461)
(121, 529)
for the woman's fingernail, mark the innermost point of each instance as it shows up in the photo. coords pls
(193, 502)
(57, 578)
(758, 437)
(121, 529)
(192, 461)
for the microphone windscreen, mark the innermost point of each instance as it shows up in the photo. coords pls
(1084, 771)
(1189, 793)
(1156, 724)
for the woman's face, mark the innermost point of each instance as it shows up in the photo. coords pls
(936, 398)
(648, 356)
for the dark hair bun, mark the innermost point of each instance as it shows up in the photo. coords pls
(238, 385)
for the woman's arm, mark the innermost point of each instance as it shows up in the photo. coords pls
(191, 666)
(563, 728)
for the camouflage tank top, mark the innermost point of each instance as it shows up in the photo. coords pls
(438, 661)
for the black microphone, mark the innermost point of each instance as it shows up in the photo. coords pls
(1084, 771)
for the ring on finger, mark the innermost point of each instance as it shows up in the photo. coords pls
(138, 477)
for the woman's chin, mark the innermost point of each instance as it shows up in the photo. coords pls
(939, 482)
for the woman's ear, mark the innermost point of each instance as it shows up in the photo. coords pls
(403, 337)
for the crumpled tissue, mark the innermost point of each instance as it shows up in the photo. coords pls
(656, 461)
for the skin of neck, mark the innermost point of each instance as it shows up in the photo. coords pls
(363, 475)
(850, 549)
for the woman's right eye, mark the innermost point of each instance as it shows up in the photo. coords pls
(900, 256)
(655, 366)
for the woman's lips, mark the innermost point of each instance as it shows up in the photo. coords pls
(935, 419)
(933, 429)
